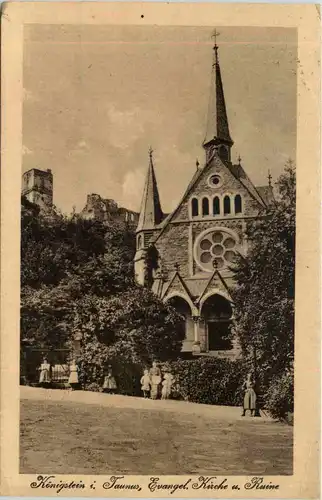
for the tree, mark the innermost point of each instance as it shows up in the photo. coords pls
(78, 278)
(135, 325)
(53, 246)
(264, 297)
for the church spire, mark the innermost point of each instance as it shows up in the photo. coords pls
(151, 212)
(217, 132)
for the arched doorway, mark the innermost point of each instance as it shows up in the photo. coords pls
(217, 313)
(187, 325)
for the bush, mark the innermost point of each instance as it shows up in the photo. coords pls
(127, 377)
(209, 381)
(279, 398)
(93, 387)
(204, 380)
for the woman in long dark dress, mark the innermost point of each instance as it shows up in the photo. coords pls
(155, 376)
(249, 397)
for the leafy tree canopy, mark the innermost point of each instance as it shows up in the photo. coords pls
(77, 277)
(264, 297)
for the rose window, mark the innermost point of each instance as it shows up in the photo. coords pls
(216, 249)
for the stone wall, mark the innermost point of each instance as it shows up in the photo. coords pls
(107, 210)
(173, 249)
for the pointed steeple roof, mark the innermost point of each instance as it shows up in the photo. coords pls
(217, 121)
(150, 213)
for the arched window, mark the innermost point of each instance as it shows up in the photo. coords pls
(216, 206)
(205, 206)
(139, 241)
(238, 204)
(226, 205)
(194, 207)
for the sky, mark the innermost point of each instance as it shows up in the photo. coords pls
(97, 97)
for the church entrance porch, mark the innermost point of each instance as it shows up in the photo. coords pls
(187, 325)
(217, 314)
(207, 331)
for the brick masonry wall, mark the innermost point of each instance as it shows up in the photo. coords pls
(173, 249)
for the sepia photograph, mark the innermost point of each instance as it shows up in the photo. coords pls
(159, 213)
(158, 249)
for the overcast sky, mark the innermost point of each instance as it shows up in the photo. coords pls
(96, 98)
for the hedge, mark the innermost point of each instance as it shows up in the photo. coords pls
(279, 398)
(209, 381)
(127, 378)
(203, 380)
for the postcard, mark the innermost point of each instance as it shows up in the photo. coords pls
(160, 220)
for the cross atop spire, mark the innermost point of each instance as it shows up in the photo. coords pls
(269, 178)
(214, 36)
(217, 132)
(151, 152)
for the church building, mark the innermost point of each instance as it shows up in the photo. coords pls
(185, 257)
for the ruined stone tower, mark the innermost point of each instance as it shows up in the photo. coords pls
(37, 187)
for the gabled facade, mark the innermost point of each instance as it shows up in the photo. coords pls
(185, 257)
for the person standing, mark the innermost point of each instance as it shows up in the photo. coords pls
(73, 375)
(155, 376)
(44, 376)
(109, 385)
(146, 383)
(249, 397)
(167, 386)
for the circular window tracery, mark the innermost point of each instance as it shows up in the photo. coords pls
(215, 181)
(216, 249)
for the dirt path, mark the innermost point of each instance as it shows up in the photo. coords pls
(118, 401)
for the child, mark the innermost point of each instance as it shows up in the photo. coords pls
(44, 376)
(109, 382)
(167, 386)
(146, 383)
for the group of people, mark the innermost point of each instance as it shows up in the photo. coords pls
(152, 384)
(151, 381)
(45, 374)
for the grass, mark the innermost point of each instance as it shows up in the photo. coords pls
(70, 438)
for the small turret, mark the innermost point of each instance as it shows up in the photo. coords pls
(150, 217)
